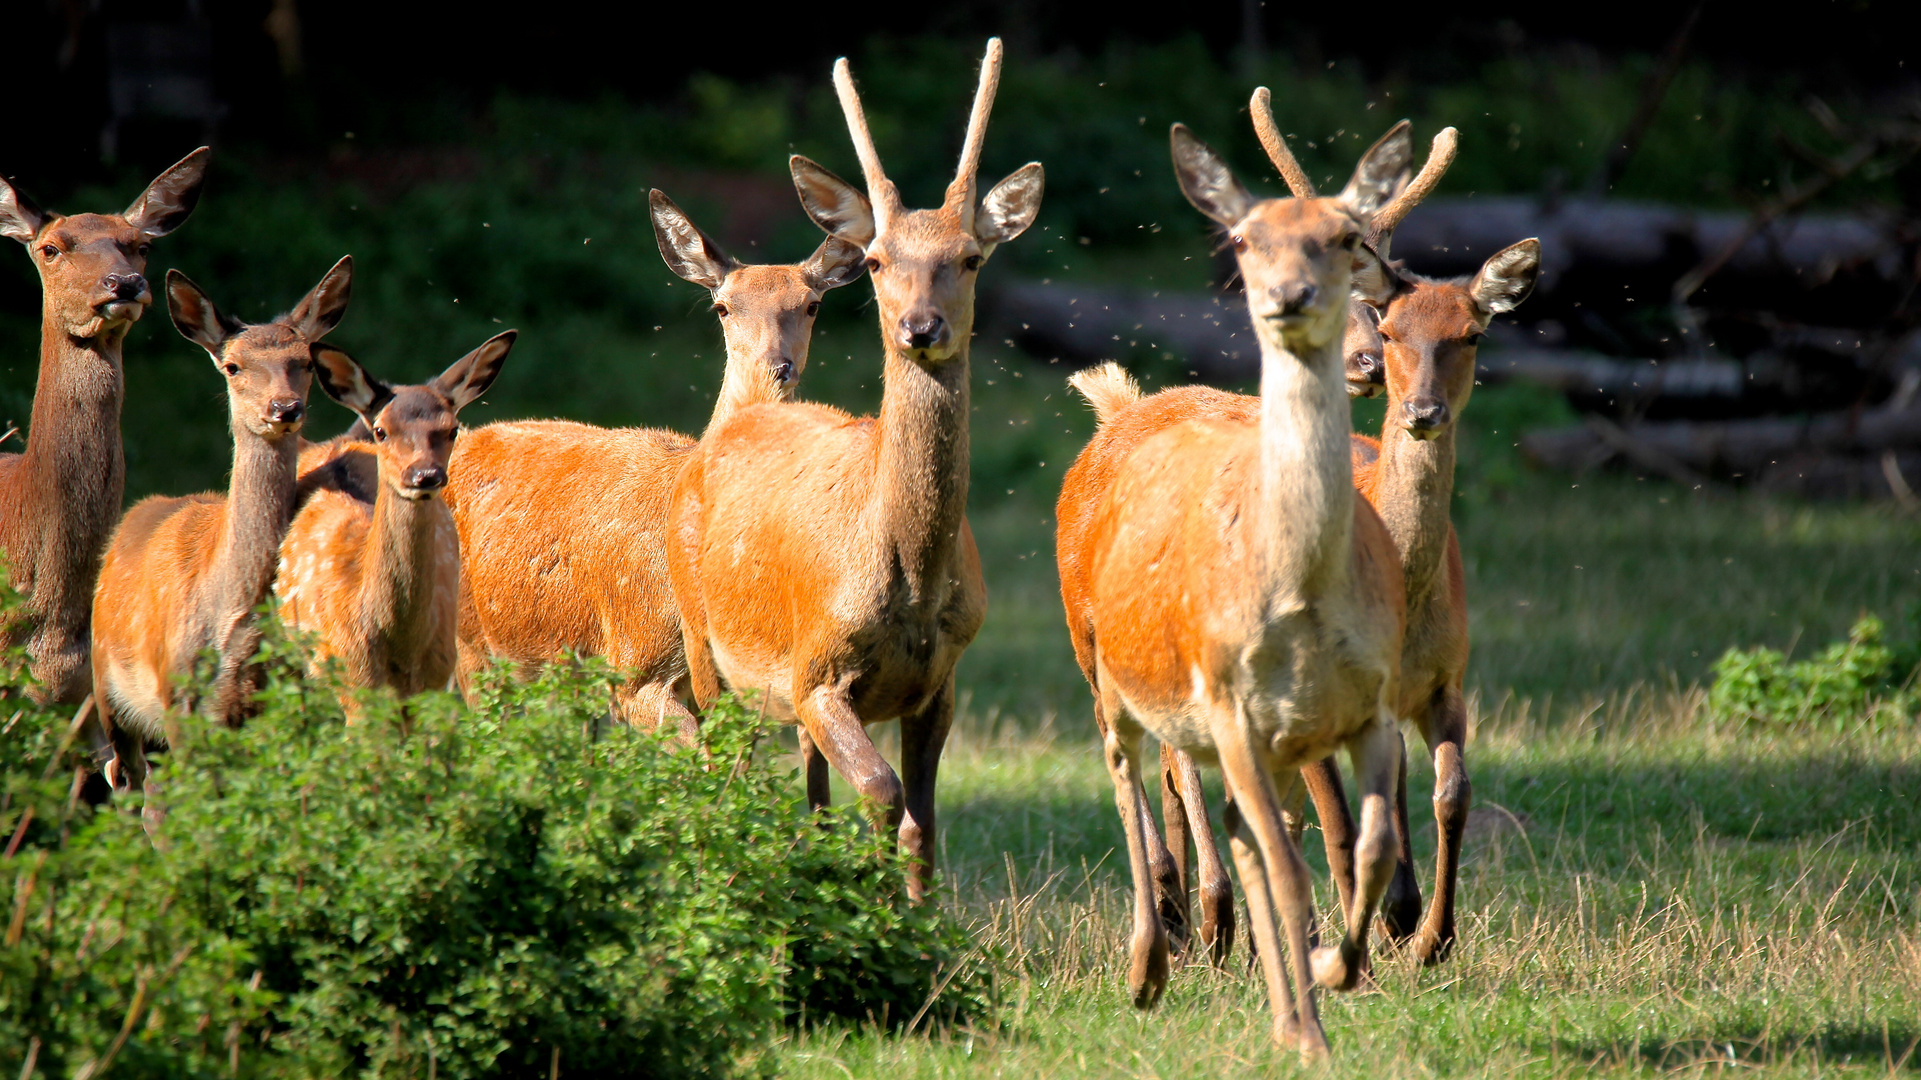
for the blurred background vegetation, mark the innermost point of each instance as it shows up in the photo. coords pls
(500, 180)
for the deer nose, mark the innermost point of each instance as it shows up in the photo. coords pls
(1425, 414)
(783, 371)
(124, 286)
(922, 331)
(1296, 296)
(425, 477)
(1369, 367)
(286, 410)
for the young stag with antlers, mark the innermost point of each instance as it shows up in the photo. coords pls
(184, 574)
(377, 573)
(1245, 605)
(60, 498)
(825, 560)
(563, 526)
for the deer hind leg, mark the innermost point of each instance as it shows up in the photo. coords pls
(1147, 947)
(923, 736)
(1182, 777)
(1376, 756)
(1166, 861)
(1453, 795)
(1401, 907)
(820, 792)
(1323, 782)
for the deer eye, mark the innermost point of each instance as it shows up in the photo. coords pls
(1351, 241)
(230, 368)
(1477, 337)
(1238, 241)
(873, 265)
(720, 310)
(813, 309)
(973, 262)
(380, 433)
(143, 249)
(50, 252)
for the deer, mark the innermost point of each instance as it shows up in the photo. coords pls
(1246, 606)
(60, 497)
(183, 574)
(375, 574)
(586, 507)
(823, 562)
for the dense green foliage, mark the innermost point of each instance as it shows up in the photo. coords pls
(1846, 683)
(483, 889)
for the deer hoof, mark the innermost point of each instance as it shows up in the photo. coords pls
(1334, 968)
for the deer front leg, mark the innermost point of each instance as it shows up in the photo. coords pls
(1453, 796)
(837, 731)
(1376, 756)
(922, 738)
(1179, 773)
(1147, 947)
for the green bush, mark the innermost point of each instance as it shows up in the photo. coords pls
(1845, 683)
(450, 891)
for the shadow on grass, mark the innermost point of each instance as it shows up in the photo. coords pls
(1893, 1047)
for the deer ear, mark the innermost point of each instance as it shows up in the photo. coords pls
(1507, 277)
(1206, 180)
(1373, 282)
(19, 218)
(343, 379)
(322, 309)
(195, 315)
(837, 206)
(1382, 173)
(472, 374)
(834, 263)
(1010, 207)
(690, 253)
(171, 197)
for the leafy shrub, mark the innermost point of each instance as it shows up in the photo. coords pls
(468, 892)
(1860, 678)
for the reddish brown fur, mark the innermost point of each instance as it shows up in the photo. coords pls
(376, 573)
(823, 560)
(183, 574)
(563, 525)
(60, 498)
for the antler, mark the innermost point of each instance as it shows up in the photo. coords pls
(880, 190)
(1261, 108)
(1380, 233)
(960, 193)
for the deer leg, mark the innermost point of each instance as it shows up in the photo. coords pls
(1264, 943)
(922, 737)
(1323, 782)
(820, 794)
(1401, 907)
(1216, 890)
(1453, 795)
(1172, 880)
(1258, 804)
(1147, 947)
(837, 731)
(1376, 756)
(648, 705)
(1169, 877)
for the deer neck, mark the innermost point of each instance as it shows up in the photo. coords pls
(1306, 508)
(72, 471)
(1414, 487)
(400, 573)
(744, 384)
(920, 492)
(259, 508)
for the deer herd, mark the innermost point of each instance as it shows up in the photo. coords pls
(1244, 577)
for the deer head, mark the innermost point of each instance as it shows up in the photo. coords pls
(1298, 257)
(923, 262)
(93, 266)
(413, 427)
(766, 312)
(1431, 332)
(268, 366)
